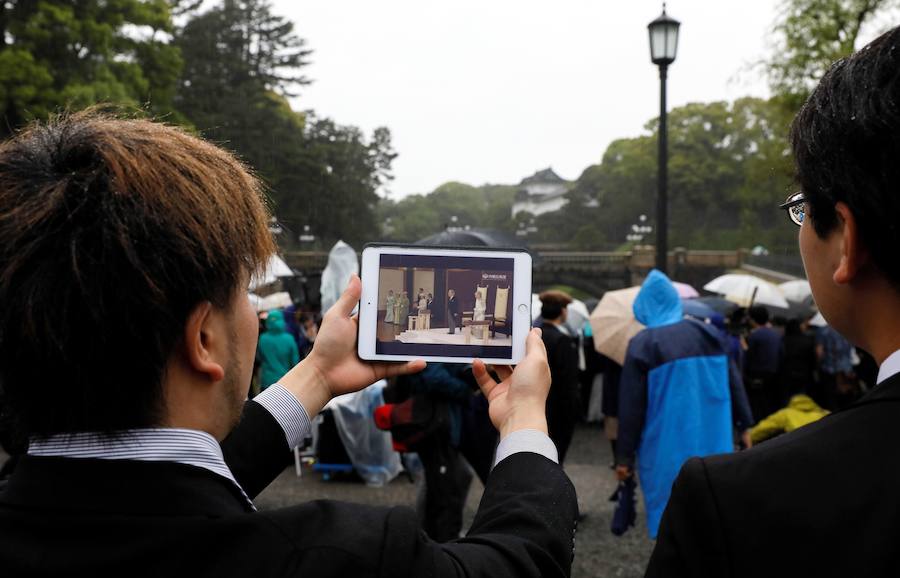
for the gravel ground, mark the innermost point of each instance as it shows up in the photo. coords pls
(597, 552)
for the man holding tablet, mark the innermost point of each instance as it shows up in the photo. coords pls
(126, 348)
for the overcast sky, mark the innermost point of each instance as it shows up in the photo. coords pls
(489, 91)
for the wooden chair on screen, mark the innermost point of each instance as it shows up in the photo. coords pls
(499, 320)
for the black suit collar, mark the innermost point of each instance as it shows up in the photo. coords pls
(121, 487)
(888, 390)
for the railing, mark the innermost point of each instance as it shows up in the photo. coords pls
(789, 264)
(584, 258)
(609, 260)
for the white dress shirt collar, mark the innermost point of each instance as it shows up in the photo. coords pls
(889, 368)
(183, 446)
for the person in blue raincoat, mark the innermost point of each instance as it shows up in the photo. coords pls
(679, 396)
(277, 350)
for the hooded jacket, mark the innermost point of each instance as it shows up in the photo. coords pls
(679, 394)
(277, 350)
(801, 410)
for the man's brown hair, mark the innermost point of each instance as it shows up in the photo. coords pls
(111, 232)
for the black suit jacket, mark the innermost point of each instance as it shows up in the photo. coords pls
(820, 501)
(453, 306)
(65, 517)
(562, 355)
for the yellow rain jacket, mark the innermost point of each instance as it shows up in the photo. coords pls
(800, 411)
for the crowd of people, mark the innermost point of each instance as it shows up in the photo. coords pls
(127, 344)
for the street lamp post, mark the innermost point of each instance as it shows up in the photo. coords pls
(663, 48)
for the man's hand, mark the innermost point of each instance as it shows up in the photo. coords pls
(333, 367)
(519, 400)
(745, 438)
(623, 472)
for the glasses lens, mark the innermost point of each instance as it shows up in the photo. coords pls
(796, 208)
(798, 213)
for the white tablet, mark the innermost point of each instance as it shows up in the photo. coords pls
(444, 304)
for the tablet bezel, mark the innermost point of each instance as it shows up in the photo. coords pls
(368, 306)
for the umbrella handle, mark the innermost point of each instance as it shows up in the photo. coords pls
(753, 297)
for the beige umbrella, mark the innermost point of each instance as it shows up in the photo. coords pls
(613, 323)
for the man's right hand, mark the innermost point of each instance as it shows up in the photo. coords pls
(519, 401)
(623, 472)
(333, 367)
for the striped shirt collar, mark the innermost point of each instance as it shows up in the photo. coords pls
(183, 446)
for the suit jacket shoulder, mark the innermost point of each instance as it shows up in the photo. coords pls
(64, 516)
(511, 535)
(821, 500)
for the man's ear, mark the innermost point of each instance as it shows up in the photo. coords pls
(853, 253)
(200, 338)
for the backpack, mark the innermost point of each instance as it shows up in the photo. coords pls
(413, 421)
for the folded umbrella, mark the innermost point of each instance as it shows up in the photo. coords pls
(613, 323)
(626, 510)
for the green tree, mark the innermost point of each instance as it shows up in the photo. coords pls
(810, 35)
(241, 62)
(419, 216)
(332, 183)
(728, 168)
(57, 54)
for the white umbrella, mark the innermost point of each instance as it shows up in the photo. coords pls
(818, 321)
(275, 268)
(746, 290)
(255, 300)
(613, 323)
(278, 300)
(578, 313)
(797, 291)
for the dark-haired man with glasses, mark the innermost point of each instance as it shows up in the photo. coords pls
(822, 500)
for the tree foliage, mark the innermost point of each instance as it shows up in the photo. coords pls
(728, 168)
(418, 216)
(57, 54)
(240, 63)
(810, 35)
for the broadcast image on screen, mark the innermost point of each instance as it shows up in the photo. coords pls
(445, 306)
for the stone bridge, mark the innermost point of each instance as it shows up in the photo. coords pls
(593, 272)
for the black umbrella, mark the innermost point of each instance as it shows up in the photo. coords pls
(718, 304)
(471, 238)
(794, 310)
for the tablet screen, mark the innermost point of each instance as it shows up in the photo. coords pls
(447, 306)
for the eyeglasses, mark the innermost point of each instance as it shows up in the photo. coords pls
(795, 205)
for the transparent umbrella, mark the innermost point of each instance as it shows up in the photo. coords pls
(797, 291)
(746, 290)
